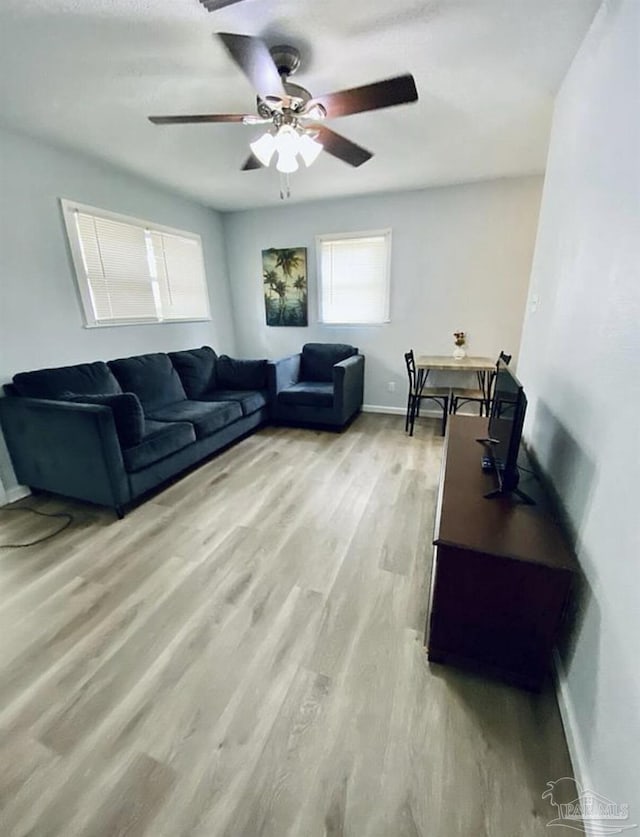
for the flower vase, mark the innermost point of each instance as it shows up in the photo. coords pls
(459, 353)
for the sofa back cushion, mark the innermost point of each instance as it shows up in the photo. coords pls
(233, 373)
(196, 369)
(85, 378)
(318, 360)
(127, 414)
(151, 377)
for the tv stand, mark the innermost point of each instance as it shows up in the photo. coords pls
(501, 571)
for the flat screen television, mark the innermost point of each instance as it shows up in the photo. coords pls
(508, 409)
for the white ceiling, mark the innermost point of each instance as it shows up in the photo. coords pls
(86, 73)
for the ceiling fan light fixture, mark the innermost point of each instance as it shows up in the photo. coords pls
(287, 143)
(263, 148)
(309, 149)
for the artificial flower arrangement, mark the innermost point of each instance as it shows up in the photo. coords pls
(460, 338)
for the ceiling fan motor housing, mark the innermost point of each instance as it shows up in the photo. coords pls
(286, 58)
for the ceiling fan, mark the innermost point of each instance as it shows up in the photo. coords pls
(294, 118)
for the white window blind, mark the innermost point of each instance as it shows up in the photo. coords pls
(354, 278)
(130, 271)
(179, 270)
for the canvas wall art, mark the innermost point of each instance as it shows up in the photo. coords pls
(284, 274)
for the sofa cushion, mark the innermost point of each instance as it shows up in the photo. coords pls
(152, 378)
(233, 373)
(127, 414)
(160, 439)
(308, 393)
(250, 400)
(85, 378)
(197, 370)
(318, 360)
(206, 417)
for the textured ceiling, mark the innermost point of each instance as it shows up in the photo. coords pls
(86, 73)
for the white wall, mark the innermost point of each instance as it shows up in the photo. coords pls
(579, 363)
(40, 315)
(461, 258)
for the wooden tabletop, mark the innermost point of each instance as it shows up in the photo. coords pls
(446, 362)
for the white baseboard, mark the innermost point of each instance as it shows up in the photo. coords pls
(17, 493)
(396, 411)
(377, 408)
(572, 734)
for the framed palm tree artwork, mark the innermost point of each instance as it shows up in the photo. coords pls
(284, 276)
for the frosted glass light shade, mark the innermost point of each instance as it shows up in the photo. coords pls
(308, 149)
(287, 163)
(287, 143)
(263, 148)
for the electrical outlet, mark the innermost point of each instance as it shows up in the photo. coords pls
(391, 386)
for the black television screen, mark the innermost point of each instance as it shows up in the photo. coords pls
(505, 427)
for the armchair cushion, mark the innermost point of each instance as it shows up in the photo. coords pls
(233, 373)
(127, 413)
(89, 378)
(318, 360)
(197, 370)
(308, 393)
(152, 378)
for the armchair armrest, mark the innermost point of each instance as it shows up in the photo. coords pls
(348, 384)
(65, 447)
(282, 373)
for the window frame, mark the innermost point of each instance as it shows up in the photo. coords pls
(327, 237)
(69, 209)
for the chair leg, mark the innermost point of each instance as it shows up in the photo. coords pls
(412, 419)
(406, 420)
(445, 413)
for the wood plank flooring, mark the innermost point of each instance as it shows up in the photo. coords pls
(242, 656)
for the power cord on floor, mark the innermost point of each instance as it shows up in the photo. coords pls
(68, 518)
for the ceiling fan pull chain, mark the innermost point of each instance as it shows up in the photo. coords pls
(285, 187)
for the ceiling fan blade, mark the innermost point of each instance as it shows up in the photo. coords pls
(214, 5)
(381, 94)
(341, 147)
(255, 61)
(251, 163)
(205, 117)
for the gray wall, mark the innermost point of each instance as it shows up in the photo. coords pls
(40, 315)
(461, 258)
(579, 363)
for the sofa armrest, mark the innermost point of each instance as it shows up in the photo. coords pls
(282, 373)
(65, 447)
(348, 384)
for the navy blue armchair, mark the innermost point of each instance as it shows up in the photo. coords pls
(322, 386)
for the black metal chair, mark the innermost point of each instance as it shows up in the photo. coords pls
(481, 396)
(418, 392)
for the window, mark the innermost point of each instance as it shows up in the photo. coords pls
(353, 277)
(129, 271)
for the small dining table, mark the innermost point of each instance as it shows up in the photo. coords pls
(482, 366)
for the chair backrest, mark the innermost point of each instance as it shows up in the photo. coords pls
(410, 362)
(318, 359)
(504, 358)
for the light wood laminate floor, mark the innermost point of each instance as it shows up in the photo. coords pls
(243, 655)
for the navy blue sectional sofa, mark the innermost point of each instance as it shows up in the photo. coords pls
(110, 432)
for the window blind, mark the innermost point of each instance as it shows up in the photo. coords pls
(180, 273)
(354, 279)
(117, 269)
(129, 271)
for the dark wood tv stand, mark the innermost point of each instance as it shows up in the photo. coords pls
(501, 570)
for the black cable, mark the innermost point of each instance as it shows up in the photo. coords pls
(68, 521)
